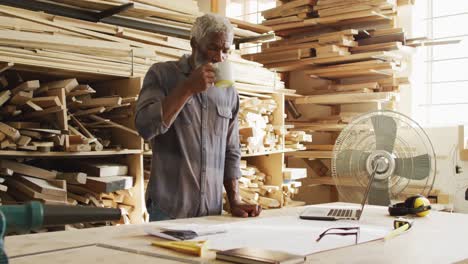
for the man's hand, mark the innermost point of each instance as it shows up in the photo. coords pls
(245, 210)
(201, 79)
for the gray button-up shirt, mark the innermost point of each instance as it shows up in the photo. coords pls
(197, 151)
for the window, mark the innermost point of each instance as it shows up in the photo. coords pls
(440, 95)
(248, 10)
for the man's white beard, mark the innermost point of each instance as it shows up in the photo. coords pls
(198, 60)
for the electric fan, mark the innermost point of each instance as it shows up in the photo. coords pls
(387, 149)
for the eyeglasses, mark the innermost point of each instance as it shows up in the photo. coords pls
(355, 232)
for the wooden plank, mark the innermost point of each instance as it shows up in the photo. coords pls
(346, 98)
(50, 187)
(23, 141)
(351, 87)
(387, 46)
(5, 66)
(47, 101)
(79, 198)
(45, 112)
(4, 96)
(32, 106)
(103, 101)
(73, 177)
(26, 86)
(67, 84)
(44, 130)
(90, 111)
(109, 184)
(281, 20)
(276, 11)
(102, 169)
(21, 97)
(113, 124)
(25, 193)
(31, 16)
(9, 131)
(250, 26)
(27, 170)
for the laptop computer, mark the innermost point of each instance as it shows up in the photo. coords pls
(336, 213)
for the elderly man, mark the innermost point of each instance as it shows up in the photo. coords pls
(193, 129)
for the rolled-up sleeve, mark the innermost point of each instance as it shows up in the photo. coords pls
(233, 153)
(149, 110)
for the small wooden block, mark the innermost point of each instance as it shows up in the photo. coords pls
(26, 87)
(21, 98)
(33, 106)
(23, 141)
(4, 96)
(109, 184)
(68, 84)
(47, 101)
(79, 148)
(102, 169)
(73, 177)
(9, 131)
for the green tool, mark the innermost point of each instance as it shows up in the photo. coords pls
(34, 215)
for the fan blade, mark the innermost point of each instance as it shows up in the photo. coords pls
(378, 194)
(416, 168)
(385, 129)
(346, 160)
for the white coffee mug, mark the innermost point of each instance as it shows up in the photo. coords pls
(223, 74)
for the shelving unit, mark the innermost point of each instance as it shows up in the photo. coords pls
(343, 61)
(130, 153)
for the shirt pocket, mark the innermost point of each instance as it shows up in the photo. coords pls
(224, 114)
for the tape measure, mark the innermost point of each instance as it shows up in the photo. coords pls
(399, 222)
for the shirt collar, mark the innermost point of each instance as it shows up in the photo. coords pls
(184, 64)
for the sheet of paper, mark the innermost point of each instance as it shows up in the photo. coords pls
(290, 234)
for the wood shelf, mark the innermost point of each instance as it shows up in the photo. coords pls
(311, 154)
(57, 154)
(318, 126)
(346, 98)
(266, 153)
(269, 152)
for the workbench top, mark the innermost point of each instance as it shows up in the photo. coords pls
(438, 238)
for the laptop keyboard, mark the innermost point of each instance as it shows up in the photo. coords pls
(340, 212)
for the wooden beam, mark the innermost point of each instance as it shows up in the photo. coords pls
(113, 124)
(346, 98)
(5, 66)
(27, 169)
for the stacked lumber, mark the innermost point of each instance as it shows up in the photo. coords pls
(301, 15)
(33, 114)
(178, 15)
(253, 189)
(58, 115)
(87, 183)
(30, 39)
(295, 139)
(324, 45)
(291, 184)
(257, 134)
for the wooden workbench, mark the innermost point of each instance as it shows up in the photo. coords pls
(439, 238)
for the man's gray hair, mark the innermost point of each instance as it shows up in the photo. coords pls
(210, 23)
